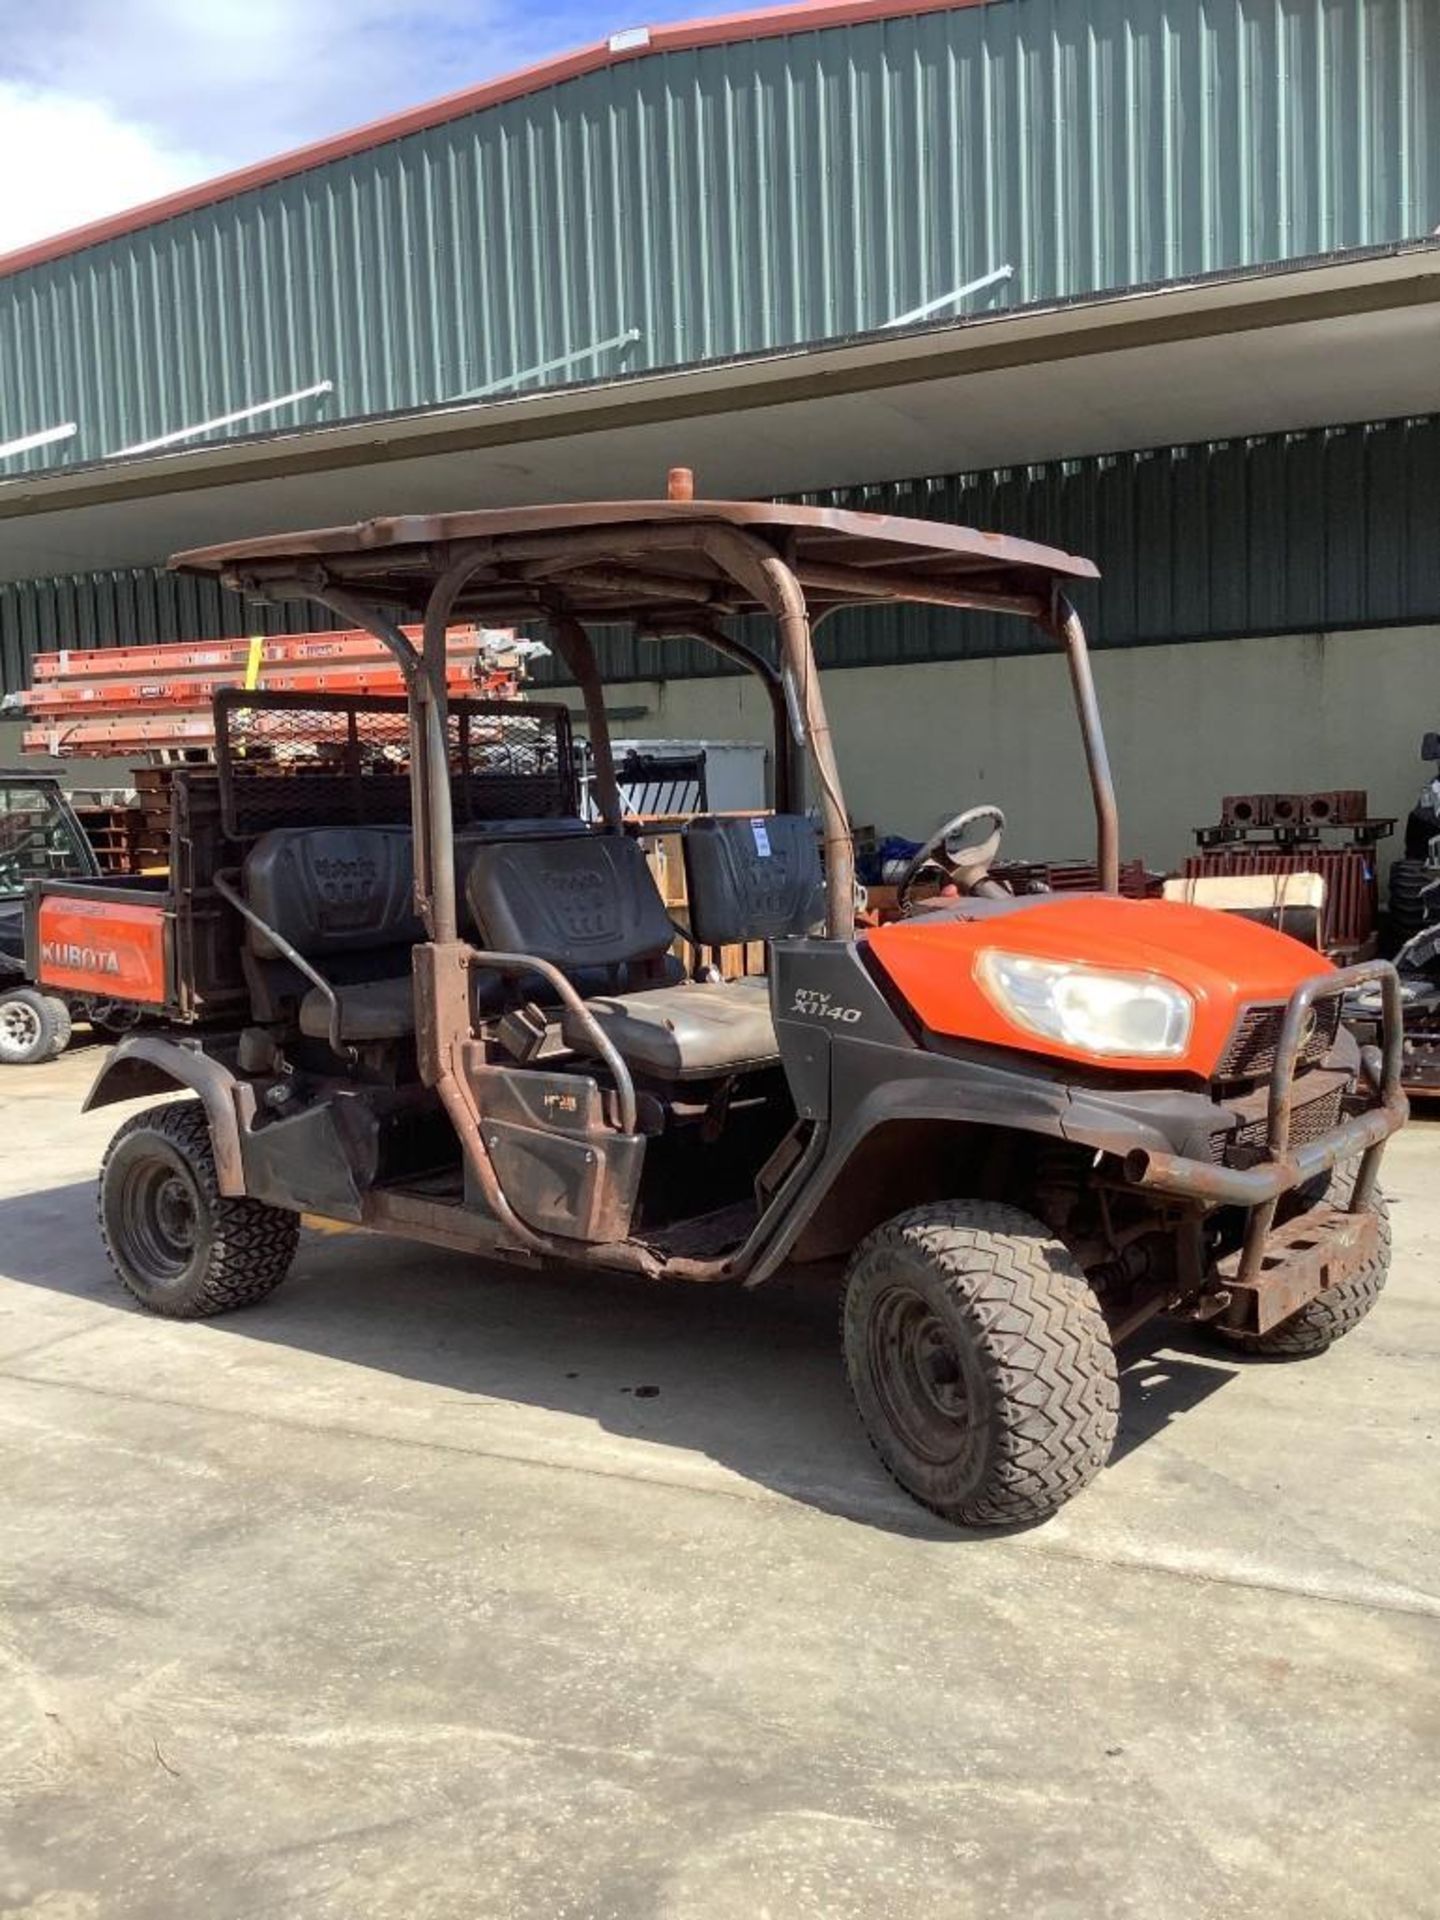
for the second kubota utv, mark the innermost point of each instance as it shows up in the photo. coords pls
(1026, 1124)
(41, 837)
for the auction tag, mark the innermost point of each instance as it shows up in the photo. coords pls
(762, 838)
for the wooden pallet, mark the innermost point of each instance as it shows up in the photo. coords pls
(115, 834)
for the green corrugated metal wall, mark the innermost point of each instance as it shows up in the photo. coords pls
(1294, 533)
(737, 196)
(1289, 533)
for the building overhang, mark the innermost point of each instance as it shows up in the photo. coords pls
(1349, 337)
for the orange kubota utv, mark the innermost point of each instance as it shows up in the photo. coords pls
(416, 985)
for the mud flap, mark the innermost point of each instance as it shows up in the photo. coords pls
(322, 1160)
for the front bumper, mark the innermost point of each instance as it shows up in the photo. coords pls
(1277, 1270)
(1303, 1258)
(1284, 1167)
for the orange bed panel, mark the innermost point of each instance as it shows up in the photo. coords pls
(113, 950)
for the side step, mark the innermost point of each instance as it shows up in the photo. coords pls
(705, 1237)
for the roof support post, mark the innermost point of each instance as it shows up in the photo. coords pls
(762, 572)
(711, 634)
(576, 649)
(435, 848)
(1065, 625)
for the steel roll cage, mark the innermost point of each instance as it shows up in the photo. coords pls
(799, 719)
(531, 578)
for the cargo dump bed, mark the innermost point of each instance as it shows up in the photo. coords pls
(158, 943)
(174, 942)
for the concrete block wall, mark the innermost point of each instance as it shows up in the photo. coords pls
(1185, 723)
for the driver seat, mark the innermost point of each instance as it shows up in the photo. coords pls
(590, 902)
(693, 1031)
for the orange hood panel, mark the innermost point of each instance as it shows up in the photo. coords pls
(1225, 962)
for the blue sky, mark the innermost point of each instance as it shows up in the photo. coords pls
(106, 103)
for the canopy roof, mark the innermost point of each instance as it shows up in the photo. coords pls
(648, 559)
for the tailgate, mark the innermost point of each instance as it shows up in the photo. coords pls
(107, 944)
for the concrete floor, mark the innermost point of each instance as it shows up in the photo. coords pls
(396, 1596)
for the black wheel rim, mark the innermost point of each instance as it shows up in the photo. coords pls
(920, 1377)
(158, 1217)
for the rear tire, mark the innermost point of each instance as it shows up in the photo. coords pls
(64, 1025)
(980, 1362)
(29, 1028)
(1330, 1315)
(179, 1245)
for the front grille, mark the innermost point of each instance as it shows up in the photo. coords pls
(1251, 1052)
(1308, 1120)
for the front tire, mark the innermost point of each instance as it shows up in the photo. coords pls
(1336, 1312)
(179, 1245)
(980, 1362)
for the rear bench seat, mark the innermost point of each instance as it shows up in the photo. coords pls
(344, 898)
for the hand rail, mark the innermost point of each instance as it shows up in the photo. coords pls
(523, 963)
(297, 960)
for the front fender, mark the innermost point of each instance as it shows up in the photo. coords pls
(874, 1085)
(147, 1063)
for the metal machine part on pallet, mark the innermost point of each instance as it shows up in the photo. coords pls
(1329, 833)
(1291, 818)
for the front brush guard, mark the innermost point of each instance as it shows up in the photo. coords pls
(1260, 1188)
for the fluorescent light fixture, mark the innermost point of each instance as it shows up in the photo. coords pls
(226, 419)
(45, 438)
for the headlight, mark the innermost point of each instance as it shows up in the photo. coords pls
(1131, 1014)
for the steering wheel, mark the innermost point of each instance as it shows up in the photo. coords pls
(965, 867)
(27, 840)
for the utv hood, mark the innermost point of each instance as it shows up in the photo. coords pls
(1225, 963)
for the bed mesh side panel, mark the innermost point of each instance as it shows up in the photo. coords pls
(343, 760)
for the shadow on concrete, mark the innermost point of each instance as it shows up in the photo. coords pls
(1161, 1383)
(752, 1380)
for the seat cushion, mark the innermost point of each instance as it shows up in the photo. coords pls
(369, 1010)
(384, 1009)
(690, 1032)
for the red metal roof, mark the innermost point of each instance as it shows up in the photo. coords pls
(802, 16)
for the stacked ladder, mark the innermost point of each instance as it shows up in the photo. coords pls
(155, 701)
